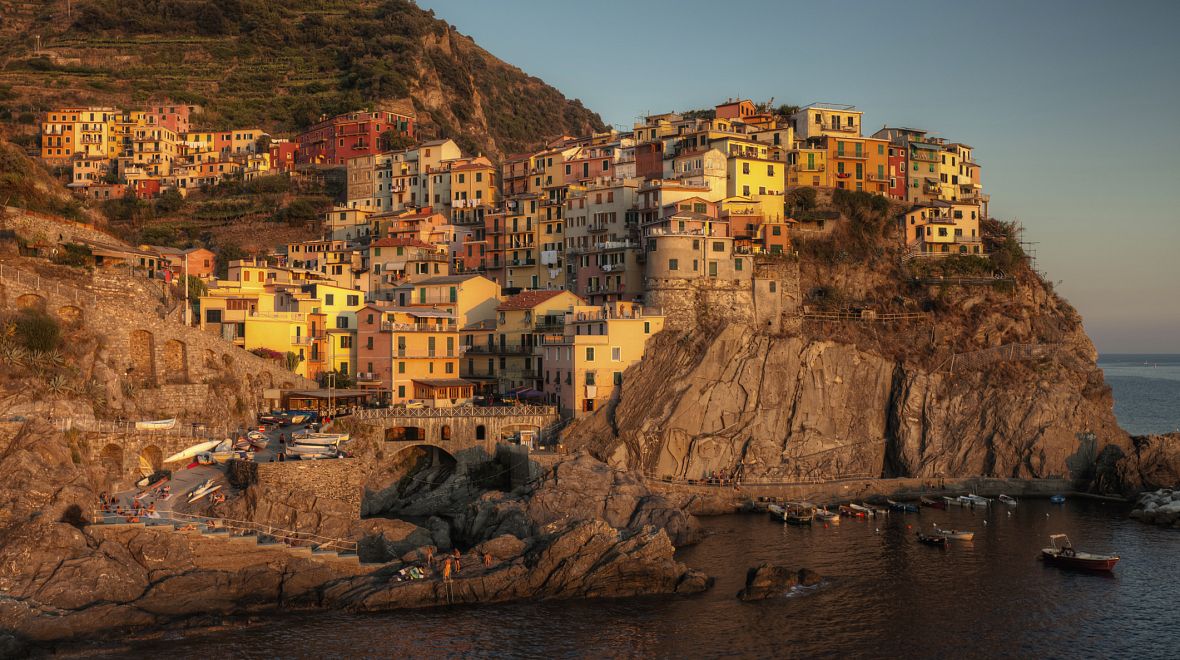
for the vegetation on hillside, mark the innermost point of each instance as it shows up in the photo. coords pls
(282, 65)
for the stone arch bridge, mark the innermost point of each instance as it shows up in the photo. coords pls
(457, 430)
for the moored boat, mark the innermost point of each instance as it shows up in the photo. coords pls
(1062, 553)
(827, 516)
(861, 510)
(213, 489)
(902, 506)
(1057, 499)
(932, 503)
(847, 510)
(955, 534)
(1010, 501)
(799, 513)
(156, 425)
(972, 501)
(875, 511)
(777, 512)
(933, 539)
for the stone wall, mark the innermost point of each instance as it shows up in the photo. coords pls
(36, 227)
(317, 497)
(769, 302)
(339, 480)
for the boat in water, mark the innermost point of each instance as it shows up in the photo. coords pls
(970, 501)
(1057, 499)
(875, 511)
(933, 539)
(955, 534)
(847, 510)
(1010, 501)
(1062, 553)
(932, 503)
(861, 510)
(777, 512)
(902, 506)
(799, 513)
(823, 515)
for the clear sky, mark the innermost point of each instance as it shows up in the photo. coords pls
(1073, 107)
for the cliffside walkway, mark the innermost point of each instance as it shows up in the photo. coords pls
(1005, 353)
(304, 544)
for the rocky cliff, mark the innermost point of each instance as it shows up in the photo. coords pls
(910, 375)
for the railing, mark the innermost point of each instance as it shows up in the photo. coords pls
(867, 315)
(280, 316)
(458, 411)
(388, 326)
(41, 286)
(181, 430)
(500, 349)
(856, 156)
(732, 481)
(1005, 353)
(287, 537)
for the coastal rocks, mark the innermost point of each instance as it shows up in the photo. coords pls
(769, 581)
(381, 540)
(790, 407)
(1154, 462)
(1159, 508)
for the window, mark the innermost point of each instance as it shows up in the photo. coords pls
(776, 230)
(590, 378)
(617, 376)
(647, 327)
(718, 246)
(589, 353)
(773, 286)
(354, 300)
(737, 265)
(712, 269)
(329, 299)
(369, 345)
(213, 316)
(345, 341)
(342, 322)
(770, 170)
(401, 367)
(616, 354)
(450, 368)
(673, 264)
(745, 168)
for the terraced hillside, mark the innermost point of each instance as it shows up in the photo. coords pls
(278, 64)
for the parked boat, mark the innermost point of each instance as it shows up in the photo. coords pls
(847, 510)
(1057, 499)
(208, 491)
(192, 451)
(1010, 501)
(875, 511)
(1062, 553)
(320, 438)
(299, 419)
(777, 512)
(312, 451)
(861, 510)
(156, 425)
(955, 534)
(972, 501)
(827, 516)
(932, 503)
(200, 490)
(799, 513)
(933, 539)
(902, 506)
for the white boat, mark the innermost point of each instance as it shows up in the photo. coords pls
(200, 490)
(861, 509)
(256, 435)
(197, 496)
(827, 516)
(156, 425)
(969, 501)
(312, 451)
(319, 438)
(1010, 501)
(955, 534)
(777, 512)
(192, 451)
(299, 419)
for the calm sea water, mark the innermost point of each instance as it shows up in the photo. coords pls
(884, 594)
(1146, 391)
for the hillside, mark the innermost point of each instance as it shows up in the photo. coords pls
(278, 65)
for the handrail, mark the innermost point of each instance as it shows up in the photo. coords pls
(731, 481)
(278, 533)
(457, 411)
(182, 429)
(41, 285)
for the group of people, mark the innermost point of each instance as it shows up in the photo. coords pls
(724, 477)
(134, 513)
(451, 563)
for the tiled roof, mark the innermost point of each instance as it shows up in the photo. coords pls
(529, 299)
(402, 242)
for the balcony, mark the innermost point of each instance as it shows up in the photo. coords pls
(500, 349)
(597, 228)
(550, 325)
(418, 327)
(402, 353)
(367, 377)
(852, 156)
(301, 340)
(523, 262)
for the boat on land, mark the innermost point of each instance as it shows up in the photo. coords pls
(200, 490)
(824, 515)
(1062, 553)
(209, 491)
(847, 510)
(156, 425)
(902, 506)
(933, 539)
(299, 419)
(192, 451)
(312, 451)
(777, 512)
(1057, 499)
(1010, 501)
(955, 534)
(932, 503)
(799, 513)
(320, 438)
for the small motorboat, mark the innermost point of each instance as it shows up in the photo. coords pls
(823, 515)
(1062, 553)
(875, 511)
(955, 534)
(902, 506)
(312, 451)
(1010, 501)
(861, 510)
(299, 419)
(777, 512)
(799, 513)
(972, 501)
(193, 451)
(156, 425)
(932, 503)
(1057, 499)
(933, 539)
(319, 438)
(847, 510)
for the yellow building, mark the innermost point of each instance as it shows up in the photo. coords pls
(82, 132)
(503, 355)
(944, 229)
(471, 298)
(473, 183)
(584, 366)
(751, 173)
(411, 353)
(819, 119)
(807, 167)
(332, 323)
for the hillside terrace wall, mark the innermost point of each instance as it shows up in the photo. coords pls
(769, 302)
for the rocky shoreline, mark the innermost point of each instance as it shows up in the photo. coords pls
(1161, 507)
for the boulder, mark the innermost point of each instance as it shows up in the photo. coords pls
(381, 539)
(767, 581)
(503, 547)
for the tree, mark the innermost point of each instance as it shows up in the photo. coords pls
(225, 254)
(170, 201)
(801, 200)
(337, 379)
(196, 287)
(391, 140)
(293, 360)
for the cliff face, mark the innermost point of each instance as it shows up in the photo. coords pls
(280, 65)
(992, 382)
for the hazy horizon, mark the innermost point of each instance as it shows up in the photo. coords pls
(1071, 108)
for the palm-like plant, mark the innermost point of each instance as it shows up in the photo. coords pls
(58, 385)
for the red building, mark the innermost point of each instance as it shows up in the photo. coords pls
(282, 155)
(146, 188)
(897, 172)
(333, 141)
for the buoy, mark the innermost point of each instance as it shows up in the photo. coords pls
(877, 530)
(909, 526)
(985, 522)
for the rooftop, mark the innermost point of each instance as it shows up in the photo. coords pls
(529, 299)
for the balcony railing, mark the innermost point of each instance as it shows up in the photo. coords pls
(388, 326)
(500, 349)
(856, 156)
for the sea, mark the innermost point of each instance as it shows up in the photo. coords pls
(883, 595)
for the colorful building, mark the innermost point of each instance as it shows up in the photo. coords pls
(333, 141)
(411, 353)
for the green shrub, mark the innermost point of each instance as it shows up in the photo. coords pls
(73, 254)
(37, 330)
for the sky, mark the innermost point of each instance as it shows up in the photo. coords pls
(1073, 107)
